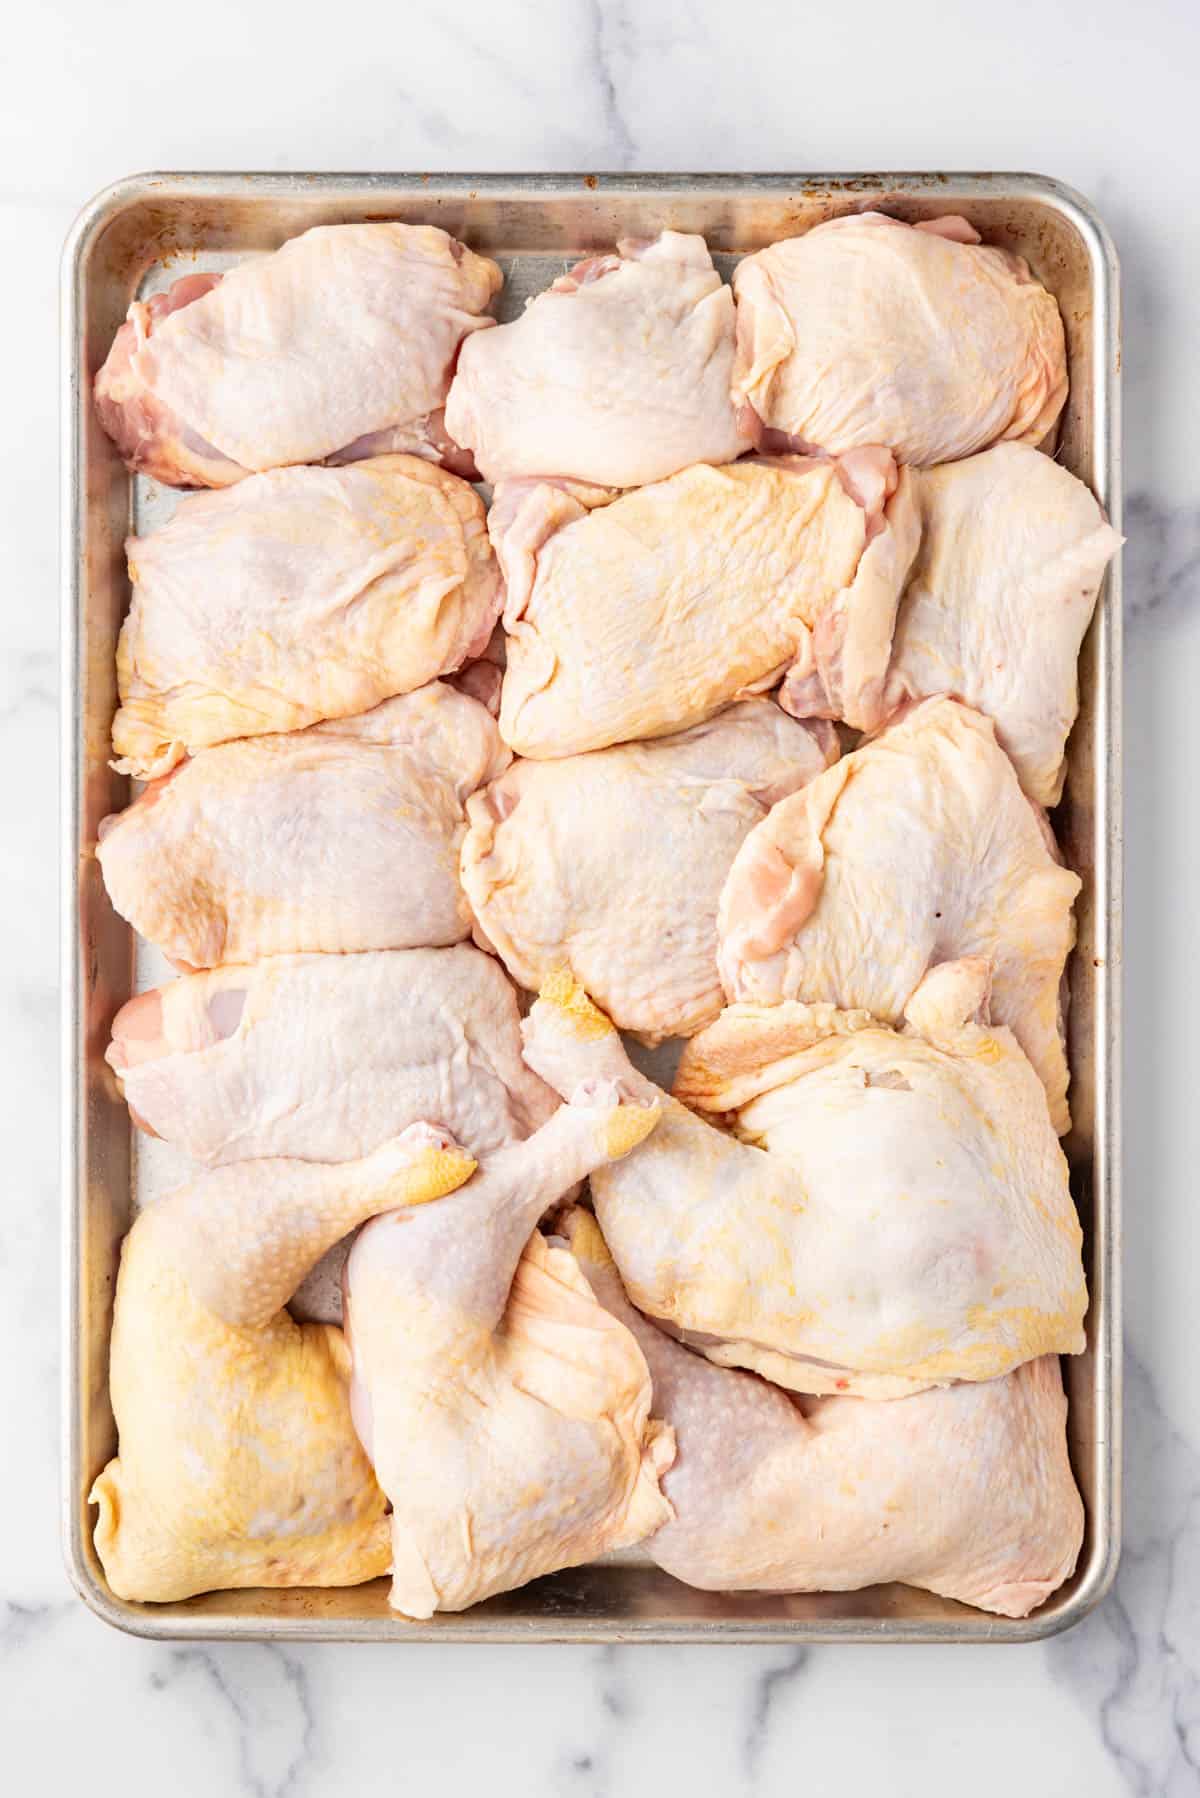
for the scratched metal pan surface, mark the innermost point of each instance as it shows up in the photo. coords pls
(134, 238)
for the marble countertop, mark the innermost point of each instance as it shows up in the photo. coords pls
(1107, 102)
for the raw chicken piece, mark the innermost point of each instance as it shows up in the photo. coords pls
(346, 332)
(892, 1213)
(631, 617)
(967, 1492)
(506, 1414)
(323, 1057)
(1013, 550)
(868, 331)
(307, 594)
(345, 836)
(611, 864)
(238, 1464)
(619, 373)
(917, 849)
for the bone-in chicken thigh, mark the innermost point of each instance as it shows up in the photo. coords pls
(1012, 552)
(917, 849)
(301, 595)
(506, 1414)
(632, 617)
(868, 331)
(611, 864)
(966, 1491)
(342, 837)
(347, 332)
(618, 373)
(323, 1057)
(892, 1212)
(237, 1460)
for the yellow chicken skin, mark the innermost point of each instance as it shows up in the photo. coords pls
(892, 1210)
(868, 331)
(633, 616)
(506, 1414)
(966, 1491)
(919, 848)
(237, 1461)
(298, 595)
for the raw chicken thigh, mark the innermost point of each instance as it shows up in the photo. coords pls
(611, 864)
(869, 331)
(347, 332)
(967, 1491)
(1012, 552)
(506, 1414)
(618, 373)
(306, 594)
(238, 1464)
(917, 849)
(323, 1057)
(892, 1212)
(631, 617)
(342, 837)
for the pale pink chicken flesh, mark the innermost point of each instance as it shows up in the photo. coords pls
(345, 337)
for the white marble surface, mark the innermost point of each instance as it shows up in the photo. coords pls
(1105, 97)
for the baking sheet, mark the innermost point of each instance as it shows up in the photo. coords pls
(141, 235)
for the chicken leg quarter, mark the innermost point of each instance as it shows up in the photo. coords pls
(967, 1492)
(893, 1211)
(237, 1462)
(506, 1415)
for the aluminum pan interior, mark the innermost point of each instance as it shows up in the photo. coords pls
(128, 237)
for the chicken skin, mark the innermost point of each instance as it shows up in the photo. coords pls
(869, 331)
(917, 849)
(611, 864)
(342, 837)
(618, 373)
(891, 1212)
(238, 1464)
(324, 1057)
(307, 594)
(1012, 552)
(636, 616)
(967, 1492)
(348, 332)
(507, 1415)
